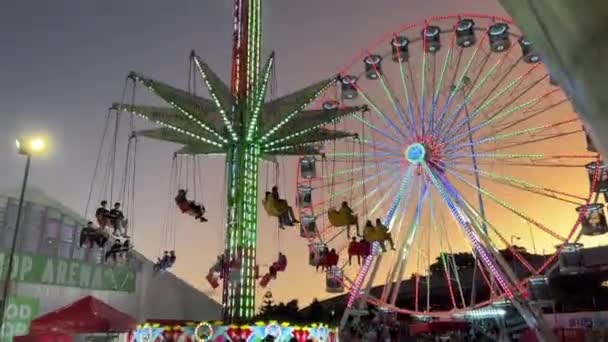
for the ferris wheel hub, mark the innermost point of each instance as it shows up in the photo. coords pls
(415, 153)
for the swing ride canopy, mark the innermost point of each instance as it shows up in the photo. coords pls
(238, 122)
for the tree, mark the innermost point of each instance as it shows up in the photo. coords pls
(316, 312)
(267, 304)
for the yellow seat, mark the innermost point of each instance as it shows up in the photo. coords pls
(341, 219)
(371, 233)
(275, 207)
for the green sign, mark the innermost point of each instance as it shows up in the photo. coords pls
(38, 269)
(20, 311)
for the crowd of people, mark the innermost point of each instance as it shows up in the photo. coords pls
(372, 328)
(114, 219)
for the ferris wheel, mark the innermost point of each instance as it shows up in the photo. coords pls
(469, 161)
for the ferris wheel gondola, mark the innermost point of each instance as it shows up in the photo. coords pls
(466, 137)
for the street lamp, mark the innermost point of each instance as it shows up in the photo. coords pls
(27, 146)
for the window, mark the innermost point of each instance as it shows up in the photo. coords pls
(29, 233)
(67, 238)
(11, 220)
(50, 241)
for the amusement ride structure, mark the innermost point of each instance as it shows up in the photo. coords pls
(440, 137)
(238, 122)
(463, 129)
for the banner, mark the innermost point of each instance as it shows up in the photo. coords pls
(39, 269)
(20, 311)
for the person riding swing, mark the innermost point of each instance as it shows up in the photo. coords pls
(118, 221)
(286, 216)
(190, 207)
(102, 214)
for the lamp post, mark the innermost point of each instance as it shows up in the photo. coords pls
(27, 147)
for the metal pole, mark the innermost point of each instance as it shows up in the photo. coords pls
(9, 269)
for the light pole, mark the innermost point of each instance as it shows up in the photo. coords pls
(27, 147)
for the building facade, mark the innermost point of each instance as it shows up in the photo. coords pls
(51, 270)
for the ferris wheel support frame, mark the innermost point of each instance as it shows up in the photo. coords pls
(506, 280)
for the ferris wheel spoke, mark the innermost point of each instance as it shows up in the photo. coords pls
(446, 265)
(408, 101)
(405, 247)
(467, 226)
(500, 115)
(383, 187)
(532, 141)
(344, 171)
(523, 185)
(508, 207)
(367, 262)
(531, 114)
(495, 138)
(439, 84)
(376, 129)
(477, 85)
(383, 147)
(390, 95)
(497, 231)
(359, 183)
(379, 112)
(461, 79)
(453, 260)
(466, 96)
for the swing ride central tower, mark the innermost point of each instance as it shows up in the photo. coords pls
(238, 121)
(242, 159)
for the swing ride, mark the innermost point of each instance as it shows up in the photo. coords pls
(466, 137)
(112, 225)
(238, 122)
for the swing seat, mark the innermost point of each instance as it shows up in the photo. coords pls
(213, 280)
(102, 220)
(265, 280)
(184, 206)
(275, 207)
(341, 219)
(334, 281)
(372, 234)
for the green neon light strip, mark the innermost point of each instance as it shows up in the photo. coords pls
(407, 95)
(507, 206)
(500, 156)
(454, 265)
(304, 131)
(518, 182)
(406, 246)
(259, 101)
(145, 82)
(297, 111)
(179, 130)
(476, 87)
(379, 112)
(389, 94)
(400, 224)
(347, 171)
(423, 80)
(486, 103)
(479, 221)
(498, 116)
(215, 99)
(447, 58)
(361, 182)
